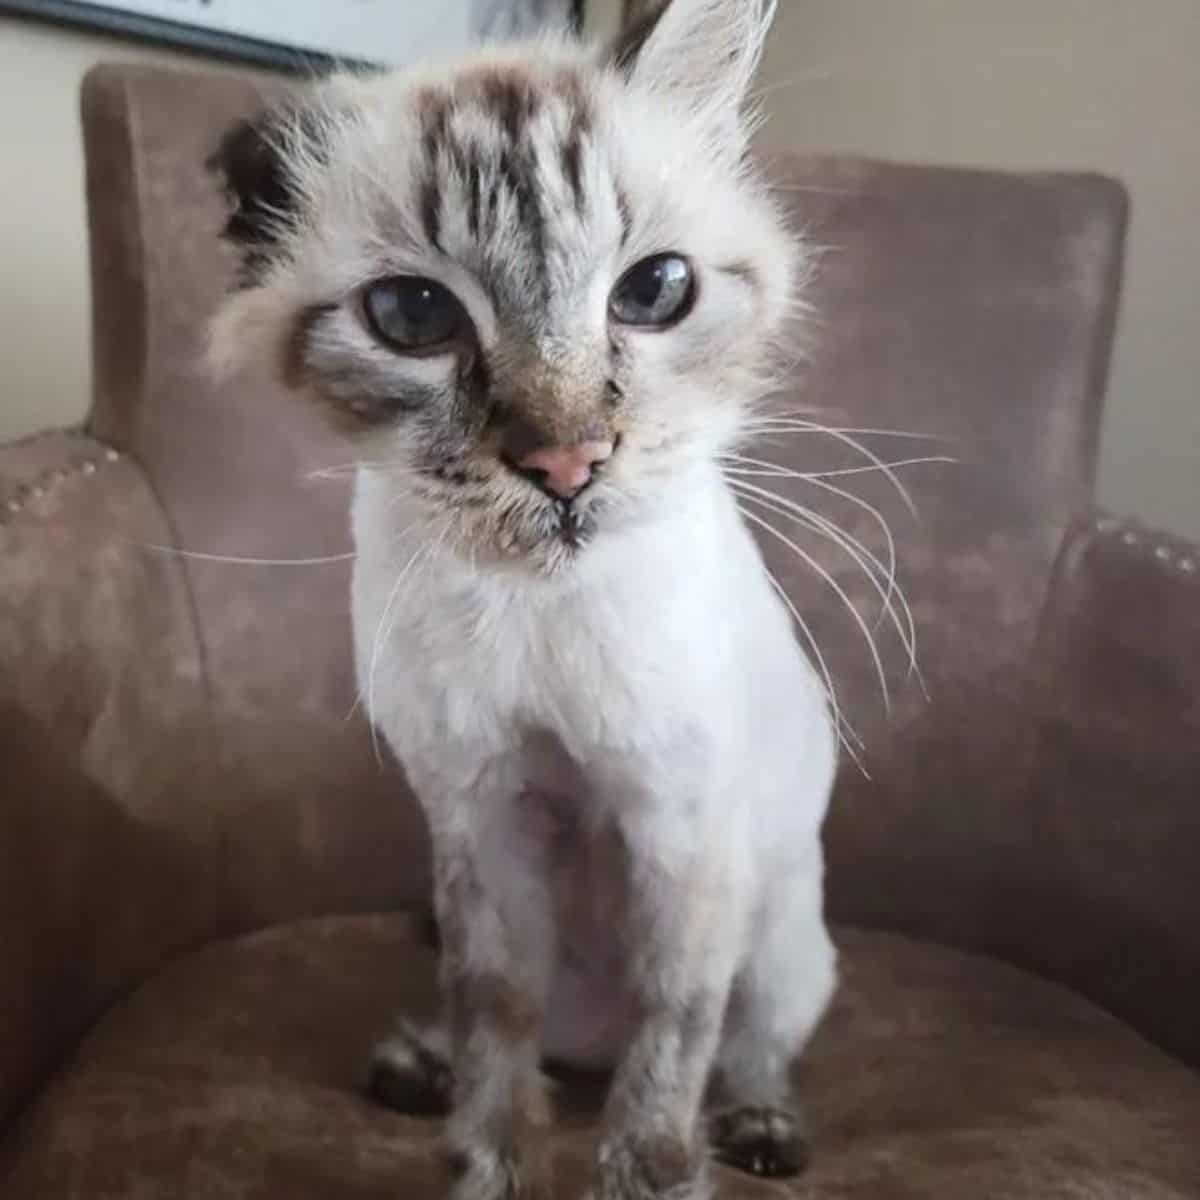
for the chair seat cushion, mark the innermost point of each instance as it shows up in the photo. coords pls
(236, 1073)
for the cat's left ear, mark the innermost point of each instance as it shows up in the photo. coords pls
(257, 164)
(701, 54)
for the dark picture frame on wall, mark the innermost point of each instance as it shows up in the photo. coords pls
(303, 35)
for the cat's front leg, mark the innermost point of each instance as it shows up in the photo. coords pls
(782, 990)
(686, 894)
(494, 918)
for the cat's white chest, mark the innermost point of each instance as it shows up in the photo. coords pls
(446, 654)
(668, 653)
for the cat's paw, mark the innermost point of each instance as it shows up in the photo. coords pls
(649, 1167)
(410, 1072)
(759, 1141)
(483, 1174)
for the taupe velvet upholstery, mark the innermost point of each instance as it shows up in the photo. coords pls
(180, 765)
(234, 1072)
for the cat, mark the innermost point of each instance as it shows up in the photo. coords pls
(545, 286)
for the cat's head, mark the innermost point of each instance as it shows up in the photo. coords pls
(542, 283)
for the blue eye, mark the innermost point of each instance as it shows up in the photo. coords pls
(655, 292)
(414, 315)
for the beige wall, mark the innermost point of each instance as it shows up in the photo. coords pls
(1102, 84)
(1081, 83)
(44, 301)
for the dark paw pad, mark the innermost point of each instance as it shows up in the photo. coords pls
(759, 1141)
(409, 1075)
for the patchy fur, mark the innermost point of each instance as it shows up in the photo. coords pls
(623, 756)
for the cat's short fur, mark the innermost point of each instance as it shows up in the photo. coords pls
(623, 757)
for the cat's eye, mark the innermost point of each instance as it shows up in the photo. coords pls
(655, 292)
(414, 315)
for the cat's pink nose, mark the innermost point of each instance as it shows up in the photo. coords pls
(565, 470)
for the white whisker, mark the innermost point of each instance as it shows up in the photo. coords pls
(815, 189)
(851, 441)
(793, 422)
(384, 630)
(765, 469)
(893, 584)
(839, 591)
(778, 471)
(242, 561)
(836, 534)
(874, 513)
(337, 470)
(813, 75)
(869, 563)
(845, 731)
(768, 474)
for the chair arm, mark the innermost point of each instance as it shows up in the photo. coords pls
(101, 707)
(1115, 804)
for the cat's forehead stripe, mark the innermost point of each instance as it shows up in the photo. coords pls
(433, 107)
(511, 94)
(579, 128)
(511, 100)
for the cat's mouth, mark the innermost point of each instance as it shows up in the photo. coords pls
(511, 517)
(561, 532)
(574, 526)
(566, 522)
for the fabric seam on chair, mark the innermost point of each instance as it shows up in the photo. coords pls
(15, 502)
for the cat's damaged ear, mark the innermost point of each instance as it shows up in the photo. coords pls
(701, 54)
(257, 164)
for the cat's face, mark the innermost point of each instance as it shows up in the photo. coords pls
(540, 285)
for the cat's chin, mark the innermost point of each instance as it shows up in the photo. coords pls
(549, 542)
(552, 555)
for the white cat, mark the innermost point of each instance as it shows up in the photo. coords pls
(544, 283)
